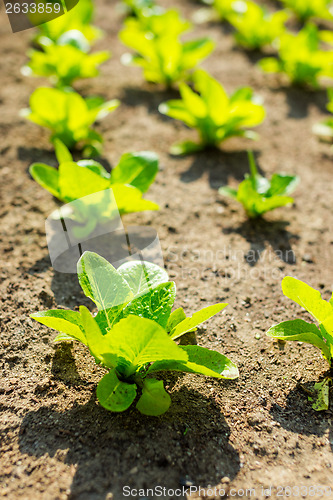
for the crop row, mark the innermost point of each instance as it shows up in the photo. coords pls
(134, 331)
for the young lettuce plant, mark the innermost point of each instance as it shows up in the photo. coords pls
(256, 27)
(74, 27)
(301, 58)
(259, 195)
(69, 116)
(163, 57)
(63, 64)
(72, 181)
(324, 130)
(227, 8)
(133, 334)
(137, 8)
(306, 9)
(302, 331)
(212, 113)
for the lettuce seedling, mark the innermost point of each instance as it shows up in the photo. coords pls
(163, 57)
(259, 195)
(325, 129)
(302, 331)
(74, 27)
(227, 8)
(69, 116)
(133, 334)
(306, 9)
(131, 178)
(301, 58)
(212, 113)
(256, 27)
(64, 64)
(137, 8)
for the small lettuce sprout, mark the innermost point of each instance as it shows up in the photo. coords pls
(324, 130)
(137, 8)
(225, 9)
(259, 195)
(75, 27)
(301, 58)
(256, 27)
(131, 178)
(69, 116)
(212, 113)
(163, 57)
(306, 9)
(302, 331)
(64, 64)
(133, 333)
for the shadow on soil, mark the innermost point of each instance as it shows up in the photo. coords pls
(299, 417)
(180, 448)
(219, 165)
(135, 96)
(259, 232)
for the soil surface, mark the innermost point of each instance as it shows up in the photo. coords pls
(257, 432)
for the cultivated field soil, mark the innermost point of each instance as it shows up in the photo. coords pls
(257, 432)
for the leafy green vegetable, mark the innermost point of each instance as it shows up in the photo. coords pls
(227, 8)
(132, 333)
(75, 27)
(159, 51)
(131, 178)
(259, 195)
(301, 58)
(212, 113)
(325, 129)
(255, 27)
(306, 9)
(299, 330)
(138, 8)
(69, 116)
(64, 64)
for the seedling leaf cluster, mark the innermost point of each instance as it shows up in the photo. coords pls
(133, 333)
(259, 195)
(320, 336)
(131, 178)
(69, 116)
(214, 114)
(163, 57)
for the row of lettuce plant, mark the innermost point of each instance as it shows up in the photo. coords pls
(134, 331)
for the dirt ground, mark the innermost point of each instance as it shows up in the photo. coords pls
(256, 432)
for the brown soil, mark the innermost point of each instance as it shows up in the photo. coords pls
(258, 431)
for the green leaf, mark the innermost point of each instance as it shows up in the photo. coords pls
(67, 322)
(156, 304)
(138, 341)
(76, 181)
(185, 148)
(201, 361)
(299, 330)
(115, 395)
(129, 199)
(96, 341)
(154, 400)
(102, 283)
(175, 317)
(62, 153)
(196, 319)
(307, 297)
(46, 176)
(321, 399)
(142, 276)
(136, 169)
(228, 191)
